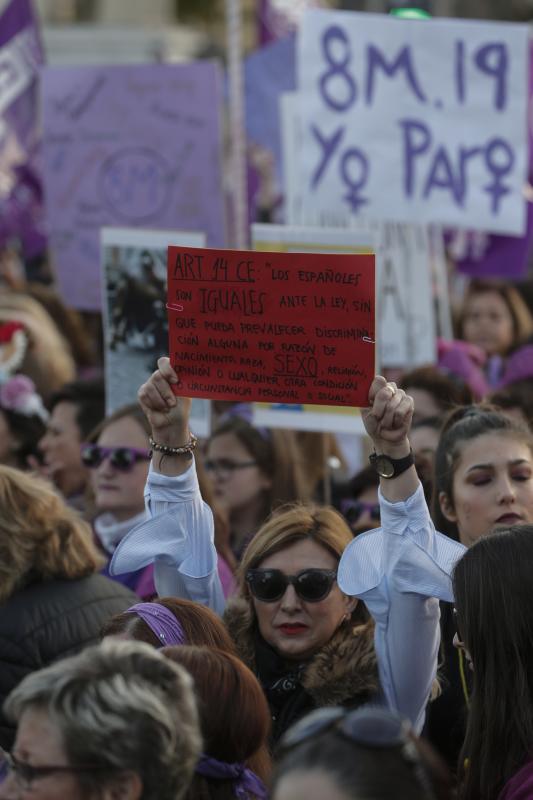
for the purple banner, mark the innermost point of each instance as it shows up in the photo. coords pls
(21, 57)
(268, 73)
(128, 146)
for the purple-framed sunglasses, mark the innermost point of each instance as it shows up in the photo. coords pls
(121, 458)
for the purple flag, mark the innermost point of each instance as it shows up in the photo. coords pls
(278, 18)
(21, 56)
(128, 146)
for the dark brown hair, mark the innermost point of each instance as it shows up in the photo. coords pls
(492, 590)
(447, 391)
(520, 314)
(201, 626)
(234, 715)
(276, 454)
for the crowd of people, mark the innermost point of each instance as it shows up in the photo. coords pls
(233, 617)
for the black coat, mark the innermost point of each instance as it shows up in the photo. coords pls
(48, 620)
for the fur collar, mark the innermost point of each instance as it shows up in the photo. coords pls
(343, 669)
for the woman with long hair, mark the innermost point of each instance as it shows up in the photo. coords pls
(494, 617)
(253, 471)
(483, 482)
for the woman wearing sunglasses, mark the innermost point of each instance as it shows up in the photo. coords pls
(297, 622)
(117, 455)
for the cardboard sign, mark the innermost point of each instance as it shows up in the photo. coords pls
(302, 417)
(135, 146)
(291, 328)
(414, 120)
(134, 282)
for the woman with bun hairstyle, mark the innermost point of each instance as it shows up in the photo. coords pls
(483, 483)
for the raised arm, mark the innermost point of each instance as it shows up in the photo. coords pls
(401, 568)
(168, 416)
(179, 536)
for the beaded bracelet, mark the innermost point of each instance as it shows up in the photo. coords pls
(175, 451)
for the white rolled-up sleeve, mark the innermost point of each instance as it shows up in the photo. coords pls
(178, 538)
(401, 571)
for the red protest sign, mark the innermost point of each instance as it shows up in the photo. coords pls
(272, 327)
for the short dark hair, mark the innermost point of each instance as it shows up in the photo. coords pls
(89, 398)
(446, 389)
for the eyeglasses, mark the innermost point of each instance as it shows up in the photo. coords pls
(369, 726)
(311, 585)
(352, 510)
(121, 458)
(25, 774)
(224, 467)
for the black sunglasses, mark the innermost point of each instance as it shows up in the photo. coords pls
(311, 585)
(369, 726)
(121, 458)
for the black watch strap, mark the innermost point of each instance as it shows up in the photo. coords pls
(388, 467)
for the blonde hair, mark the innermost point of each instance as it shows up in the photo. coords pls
(48, 360)
(295, 523)
(40, 534)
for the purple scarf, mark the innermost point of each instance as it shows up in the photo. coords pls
(161, 622)
(246, 782)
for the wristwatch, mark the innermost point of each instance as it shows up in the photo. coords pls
(388, 467)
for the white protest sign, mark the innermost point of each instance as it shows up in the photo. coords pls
(408, 120)
(406, 321)
(134, 289)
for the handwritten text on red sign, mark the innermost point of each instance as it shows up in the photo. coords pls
(272, 327)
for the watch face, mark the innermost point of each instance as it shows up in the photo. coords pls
(384, 467)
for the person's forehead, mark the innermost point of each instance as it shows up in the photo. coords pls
(39, 737)
(494, 448)
(303, 554)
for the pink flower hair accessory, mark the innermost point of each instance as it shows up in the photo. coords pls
(18, 394)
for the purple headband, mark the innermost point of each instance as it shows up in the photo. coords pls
(161, 622)
(246, 782)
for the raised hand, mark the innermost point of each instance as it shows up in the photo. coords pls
(388, 419)
(168, 414)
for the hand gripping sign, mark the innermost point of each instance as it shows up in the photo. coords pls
(272, 327)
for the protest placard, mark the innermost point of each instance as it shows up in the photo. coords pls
(128, 146)
(134, 286)
(409, 120)
(289, 327)
(287, 239)
(21, 57)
